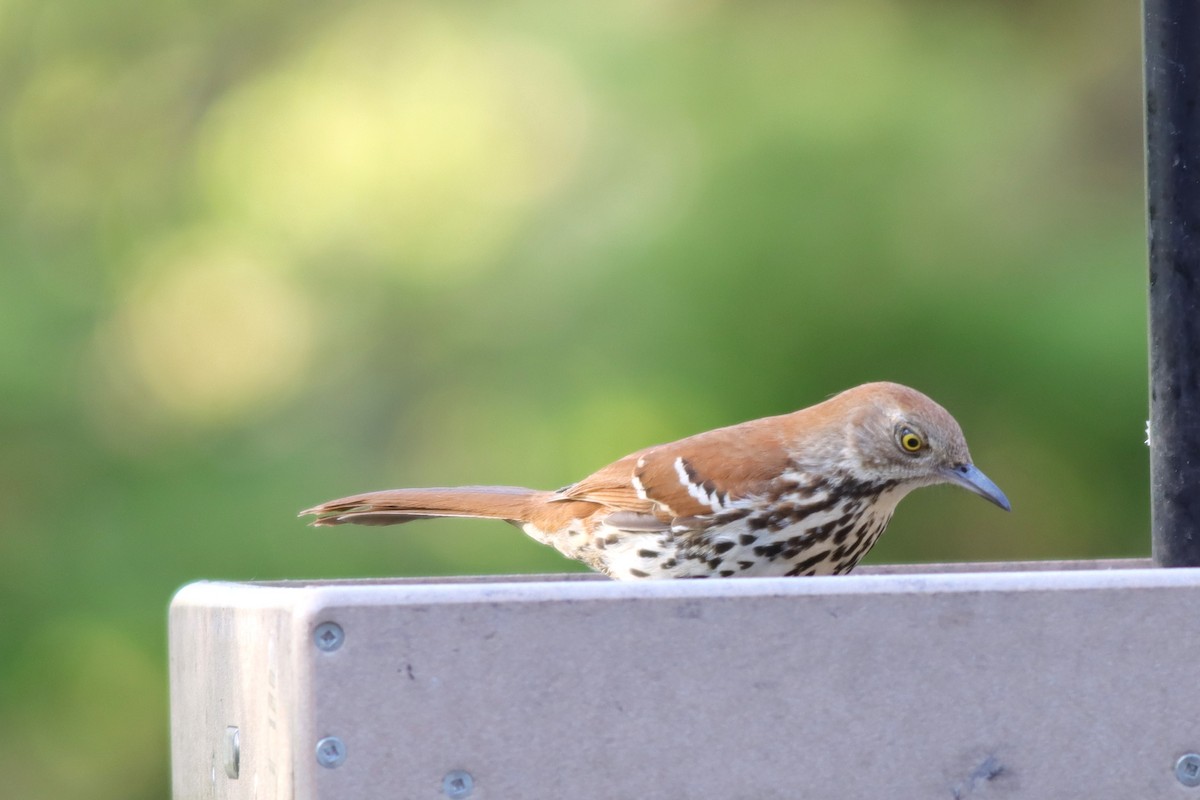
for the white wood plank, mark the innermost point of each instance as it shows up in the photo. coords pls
(1072, 682)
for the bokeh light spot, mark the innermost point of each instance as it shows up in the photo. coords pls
(208, 333)
(405, 137)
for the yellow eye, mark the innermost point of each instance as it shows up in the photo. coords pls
(910, 441)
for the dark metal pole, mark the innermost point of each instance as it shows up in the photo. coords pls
(1172, 41)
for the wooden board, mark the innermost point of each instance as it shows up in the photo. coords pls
(1038, 681)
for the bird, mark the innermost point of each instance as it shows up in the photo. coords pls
(804, 493)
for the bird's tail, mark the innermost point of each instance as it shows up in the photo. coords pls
(393, 506)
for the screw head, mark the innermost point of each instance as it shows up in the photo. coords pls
(458, 784)
(1187, 769)
(233, 751)
(328, 636)
(331, 752)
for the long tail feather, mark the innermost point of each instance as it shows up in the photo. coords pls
(394, 506)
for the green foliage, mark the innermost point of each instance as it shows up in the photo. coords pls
(256, 256)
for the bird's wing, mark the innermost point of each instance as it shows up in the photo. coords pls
(694, 477)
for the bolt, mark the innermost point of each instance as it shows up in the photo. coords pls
(458, 784)
(233, 751)
(331, 752)
(329, 636)
(1187, 769)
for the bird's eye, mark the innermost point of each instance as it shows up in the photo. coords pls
(910, 441)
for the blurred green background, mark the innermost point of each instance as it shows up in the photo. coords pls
(258, 255)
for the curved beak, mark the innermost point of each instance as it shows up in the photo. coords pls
(969, 477)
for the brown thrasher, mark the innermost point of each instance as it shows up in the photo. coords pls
(805, 493)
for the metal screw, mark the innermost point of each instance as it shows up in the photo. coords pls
(233, 751)
(458, 784)
(1187, 769)
(329, 636)
(331, 752)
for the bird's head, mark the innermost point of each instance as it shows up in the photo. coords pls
(896, 433)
